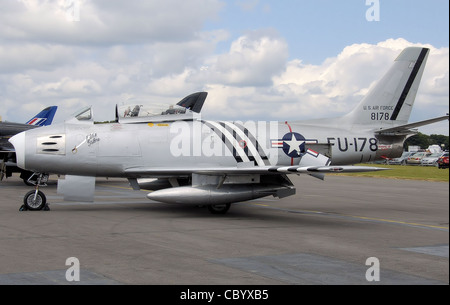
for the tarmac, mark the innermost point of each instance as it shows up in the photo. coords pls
(344, 230)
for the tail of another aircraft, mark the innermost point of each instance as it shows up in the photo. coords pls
(43, 118)
(390, 102)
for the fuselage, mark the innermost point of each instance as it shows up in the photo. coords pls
(110, 150)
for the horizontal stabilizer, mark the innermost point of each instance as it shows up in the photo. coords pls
(406, 129)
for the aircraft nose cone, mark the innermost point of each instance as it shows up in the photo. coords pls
(18, 141)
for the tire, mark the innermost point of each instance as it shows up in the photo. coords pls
(32, 205)
(219, 208)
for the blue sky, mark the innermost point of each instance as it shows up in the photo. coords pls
(258, 59)
(319, 29)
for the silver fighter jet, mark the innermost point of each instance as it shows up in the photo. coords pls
(196, 161)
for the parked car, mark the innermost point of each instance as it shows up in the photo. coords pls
(443, 161)
(431, 160)
(400, 160)
(417, 158)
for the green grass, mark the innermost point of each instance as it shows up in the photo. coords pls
(427, 173)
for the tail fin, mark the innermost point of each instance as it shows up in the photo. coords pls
(43, 118)
(390, 102)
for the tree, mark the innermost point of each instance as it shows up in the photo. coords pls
(439, 140)
(424, 141)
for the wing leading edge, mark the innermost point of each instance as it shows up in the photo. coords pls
(141, 172)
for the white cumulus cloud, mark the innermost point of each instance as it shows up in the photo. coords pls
(155, 51)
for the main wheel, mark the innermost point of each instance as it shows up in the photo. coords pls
(219, 208)
(32, 203)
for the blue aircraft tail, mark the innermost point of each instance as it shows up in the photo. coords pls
(43, 118)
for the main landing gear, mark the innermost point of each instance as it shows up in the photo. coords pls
(219, 208)
(35, 200)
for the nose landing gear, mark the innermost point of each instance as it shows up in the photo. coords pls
(35, 200)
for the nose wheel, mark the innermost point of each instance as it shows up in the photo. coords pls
(35, 200)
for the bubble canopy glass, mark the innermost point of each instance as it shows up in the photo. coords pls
(159, 112)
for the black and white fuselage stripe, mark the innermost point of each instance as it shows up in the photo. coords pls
(225, 135)
(238, 141)
(252, 138)
(247, 143)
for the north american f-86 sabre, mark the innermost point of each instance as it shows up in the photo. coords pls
(216, 163)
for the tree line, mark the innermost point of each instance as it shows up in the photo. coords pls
(424, 141)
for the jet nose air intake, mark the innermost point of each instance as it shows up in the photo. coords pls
(18, 141)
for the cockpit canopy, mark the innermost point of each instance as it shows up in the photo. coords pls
(183, 110)
(186, 109)
(141, 110)
(84, 114)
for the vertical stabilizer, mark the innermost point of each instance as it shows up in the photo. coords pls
(44, 118)
(390, 102)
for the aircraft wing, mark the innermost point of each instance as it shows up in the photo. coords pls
(406, 129)
(142, 172)
(6, 149)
